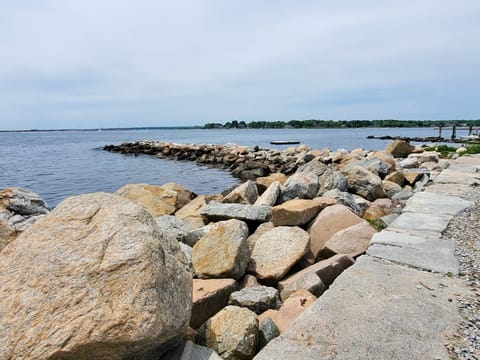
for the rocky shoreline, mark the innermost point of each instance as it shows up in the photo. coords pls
(160, 272)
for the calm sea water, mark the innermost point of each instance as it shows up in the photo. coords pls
(60, 164)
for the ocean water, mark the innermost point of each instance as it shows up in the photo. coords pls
(57, 165)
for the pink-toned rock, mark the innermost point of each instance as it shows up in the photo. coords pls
(327, 223)
(264, 182)
(94, 279)
(209, 297)
(295, 212)
(245, 193)
(325, 202)
(352, 241)
(276, 251)
(290, 310)
(316, 277)
(378, 209)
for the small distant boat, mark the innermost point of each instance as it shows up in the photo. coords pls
(284, 142)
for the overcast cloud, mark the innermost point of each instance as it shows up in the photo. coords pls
(70, 63)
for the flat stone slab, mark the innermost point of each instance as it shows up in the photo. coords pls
(374, 310)
(218, 211)
(457, 177)
(448, 189)
(436, 204)
(430, 253)
(421, 222)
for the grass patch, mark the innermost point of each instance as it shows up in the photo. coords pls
(473, 149)
(377, 224)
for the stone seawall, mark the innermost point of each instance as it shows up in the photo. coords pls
(243, 161)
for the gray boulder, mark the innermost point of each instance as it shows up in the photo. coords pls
(364, 183)
(302, 185)
(258, 299)
(346, 199)
(216, 211)
(19, 209)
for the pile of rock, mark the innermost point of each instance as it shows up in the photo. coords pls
(113, 276)
(244, 162)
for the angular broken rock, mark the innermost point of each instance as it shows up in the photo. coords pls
(396, 177)
(191, 212)
(345, 198)
(352, 241)
(245, 193)
(157, 200)
(232, 333)
(364, 183)
(258, 298)
(191, 351)
(378, 209)
(215, 211)
(315, 278)
(290, 310)
(267, 332)
(295, 212)
(209, 297)
(270, 196)
(276, 251)
(326, 224)
(302, 185)
(399, 148)
(19, 209)
(184, 195)
(223, 251)
(264, 182)
(92, 280)
(261, 229)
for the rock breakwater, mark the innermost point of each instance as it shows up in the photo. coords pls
(256, 257)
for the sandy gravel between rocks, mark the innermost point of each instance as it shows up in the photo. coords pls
(465, 230)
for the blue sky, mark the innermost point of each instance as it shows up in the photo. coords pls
(70, 63)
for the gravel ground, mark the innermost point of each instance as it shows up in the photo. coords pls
(465, 230)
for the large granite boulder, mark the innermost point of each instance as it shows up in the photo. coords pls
(295, 212)
(209, 297)
(331, 180)
(352, 241)
(399, 149)
(302, 185)
(245, 193)
(345, 198)
(94, 279)
(223, 251)
(19, 209)
(276, 251)
(326, 224)
(364, 183)
(157, 200)
(232, 333)
(259, 231)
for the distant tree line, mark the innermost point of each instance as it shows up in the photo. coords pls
(331, 124)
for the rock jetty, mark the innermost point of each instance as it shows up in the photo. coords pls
(160, 272)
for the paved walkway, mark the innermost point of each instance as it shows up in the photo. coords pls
(399, 300)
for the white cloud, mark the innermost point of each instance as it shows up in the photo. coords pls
(165, 62)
